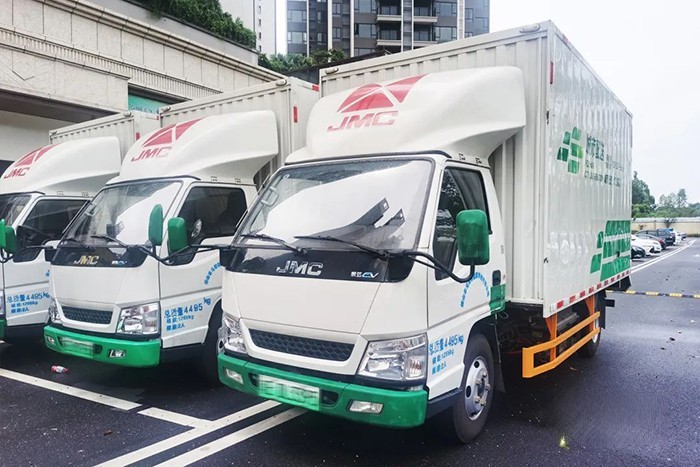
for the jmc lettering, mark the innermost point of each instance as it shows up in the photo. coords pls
(151, 153)
(301, 269)
(87, 260)
(18, 172)
(366, 120)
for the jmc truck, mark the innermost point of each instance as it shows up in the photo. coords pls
(124, 293)
(453, 204)
(40, 194)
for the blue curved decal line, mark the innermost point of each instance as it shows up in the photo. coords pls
(477, 277)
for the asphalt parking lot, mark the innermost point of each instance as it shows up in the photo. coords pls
(636, 403)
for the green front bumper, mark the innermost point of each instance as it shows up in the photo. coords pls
(402, 409)
(138, 353)
(3, 323)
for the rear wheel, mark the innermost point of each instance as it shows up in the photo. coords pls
(471, 409)
(591, 347)
(208, 361)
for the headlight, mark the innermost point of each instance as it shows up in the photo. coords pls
(53, 312)
(233, 335)
(140, 319)
(396, 359)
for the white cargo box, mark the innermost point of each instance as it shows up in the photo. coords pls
(563, 182)
(127, 126)
(291, 100)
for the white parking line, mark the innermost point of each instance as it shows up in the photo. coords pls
(70, 390)
(173, 417)
(660, 258)
(154, 412)
(190, 435)
(220, 444)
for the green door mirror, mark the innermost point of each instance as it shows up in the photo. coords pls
(10, 240)
(177, 234)
(155, 226)
(473, 237)
(3, 238)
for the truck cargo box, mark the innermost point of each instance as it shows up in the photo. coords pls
(290, 99)
(563, 182)
(127, 126)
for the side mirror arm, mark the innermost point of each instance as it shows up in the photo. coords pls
(438, 266)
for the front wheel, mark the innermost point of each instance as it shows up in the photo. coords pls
(472, 408)
(208, 363)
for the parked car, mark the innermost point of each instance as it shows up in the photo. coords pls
(648, 245)
(638, 252)
(662, 242)
(666, 234)
(682, 234)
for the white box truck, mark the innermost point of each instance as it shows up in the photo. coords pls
(127, 126)
(453, 204)
(40, 194)
(141, 302)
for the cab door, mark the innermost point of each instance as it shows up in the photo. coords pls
(27, 274)
(191, 285)
(453, 307)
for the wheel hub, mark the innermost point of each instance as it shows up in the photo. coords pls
(477, 388)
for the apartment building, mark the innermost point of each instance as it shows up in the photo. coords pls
(258, 16)
(360, 27)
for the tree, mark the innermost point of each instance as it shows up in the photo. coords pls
(642, 200)
(681, 199)
(206, 14)
(291, 62)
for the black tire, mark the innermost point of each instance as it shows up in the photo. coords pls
(208, 362)
(591, 347)
(467, 427)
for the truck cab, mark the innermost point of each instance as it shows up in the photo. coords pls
(142, 299)
(389, 265)
(40, 194)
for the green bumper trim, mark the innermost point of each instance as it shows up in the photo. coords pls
(402, 409)
(3, 323)
(138, 353)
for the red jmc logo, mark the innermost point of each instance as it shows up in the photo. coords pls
(22, 166)
(371, 97)
(160, 143)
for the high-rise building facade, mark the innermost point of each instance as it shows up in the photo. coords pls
(360, 27)
(258, 16)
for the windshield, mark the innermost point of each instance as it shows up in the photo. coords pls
(11, 206)
(122, 212)
(376, 203)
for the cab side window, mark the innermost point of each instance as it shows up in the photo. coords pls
(461, 189)
(46, 221)
(211, 212)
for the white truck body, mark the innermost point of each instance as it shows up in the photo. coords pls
(511, 131)
(127, 126)
(205, 158)
(549, 250)
(43, 191)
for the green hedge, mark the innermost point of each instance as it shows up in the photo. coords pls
(206, 14)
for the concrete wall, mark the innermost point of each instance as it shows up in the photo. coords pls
(689, 225)
(21, 134)
(81, 52)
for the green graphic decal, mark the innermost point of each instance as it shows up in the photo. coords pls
(498, 298)
(571, 150)
(615, 243)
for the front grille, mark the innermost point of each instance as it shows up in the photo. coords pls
(87, 316)
(314, 348)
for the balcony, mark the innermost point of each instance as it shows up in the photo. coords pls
(389, 13)
(389, 38)
(424, 15)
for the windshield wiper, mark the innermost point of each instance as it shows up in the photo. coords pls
(114, 240)
(276, 240)
(328, 238)
(79, 242)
